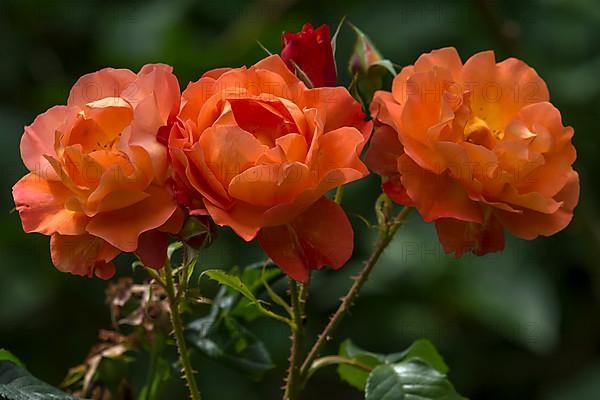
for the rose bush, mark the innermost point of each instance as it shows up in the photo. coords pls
(256, 150)
(477, 148)
(97, 180)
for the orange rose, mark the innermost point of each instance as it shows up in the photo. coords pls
(97, 172)
(477, 148)
(257, 150)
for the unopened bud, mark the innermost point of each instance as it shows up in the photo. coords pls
(198, 232)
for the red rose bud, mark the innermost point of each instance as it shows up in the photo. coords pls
(310, 51)
(198, 232)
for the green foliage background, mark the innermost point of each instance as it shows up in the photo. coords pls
(523, 324)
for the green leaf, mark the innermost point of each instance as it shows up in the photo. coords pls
(422, 350)
(335, 36)
(262, 46)
(6, 355)
(409, 380)
(302, 75)
(17, 384)
(229, 341)
(222, 334)
(234, 282)
(173, 247)
(385, 64)
(252, 276)
(158, 371)
(354, 376)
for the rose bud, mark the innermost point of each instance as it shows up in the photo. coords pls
(198, 232)
(310, 51)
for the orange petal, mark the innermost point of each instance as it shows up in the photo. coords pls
(229, 150)
(384, 151)
(275, 64)
(500, 90)
(394, 189)
(320, 236)
(38, 140)
(459, 237)
(337, 109)
(215, 73)
(174, 224)
(542, 124)
(243, 218)
(42, 207)
(122, 227)
(446, 57)
(337, 151)
(83, 255)
(266, 120)
(107, 82)
(155, 111)
(530, 224)
(199, 175)
(294, 147)
(437, 195)
(118, 187)
(270, 184)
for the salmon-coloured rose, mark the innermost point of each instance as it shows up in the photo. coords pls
(97, 181)
(477, 148)
(312, 52)
(257, 150)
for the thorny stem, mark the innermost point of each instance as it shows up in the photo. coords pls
(178, 330)
(298, 297)
(387, 232)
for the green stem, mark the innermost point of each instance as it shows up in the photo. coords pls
(339, 194)
(387, 232)
(179, 337)
(275, 297)
(292, 387)
(156, 276)
(335, 360)
(183, 277)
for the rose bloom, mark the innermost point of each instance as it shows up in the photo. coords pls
(257, 150)
(477, 148)
(97, 172)
(311, 51)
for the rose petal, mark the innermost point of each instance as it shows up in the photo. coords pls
(152, 249)
(42, 207)
(320, 236)
(83, 255)
(38, 141)
(122, 227)
(459, 237)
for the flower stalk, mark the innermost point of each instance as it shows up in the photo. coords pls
(387, 233)
(292, 382)
(177, 324)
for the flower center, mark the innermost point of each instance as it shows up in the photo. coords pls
(267, 121)
(479, 131)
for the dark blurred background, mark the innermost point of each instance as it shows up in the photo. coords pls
(523, 324)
